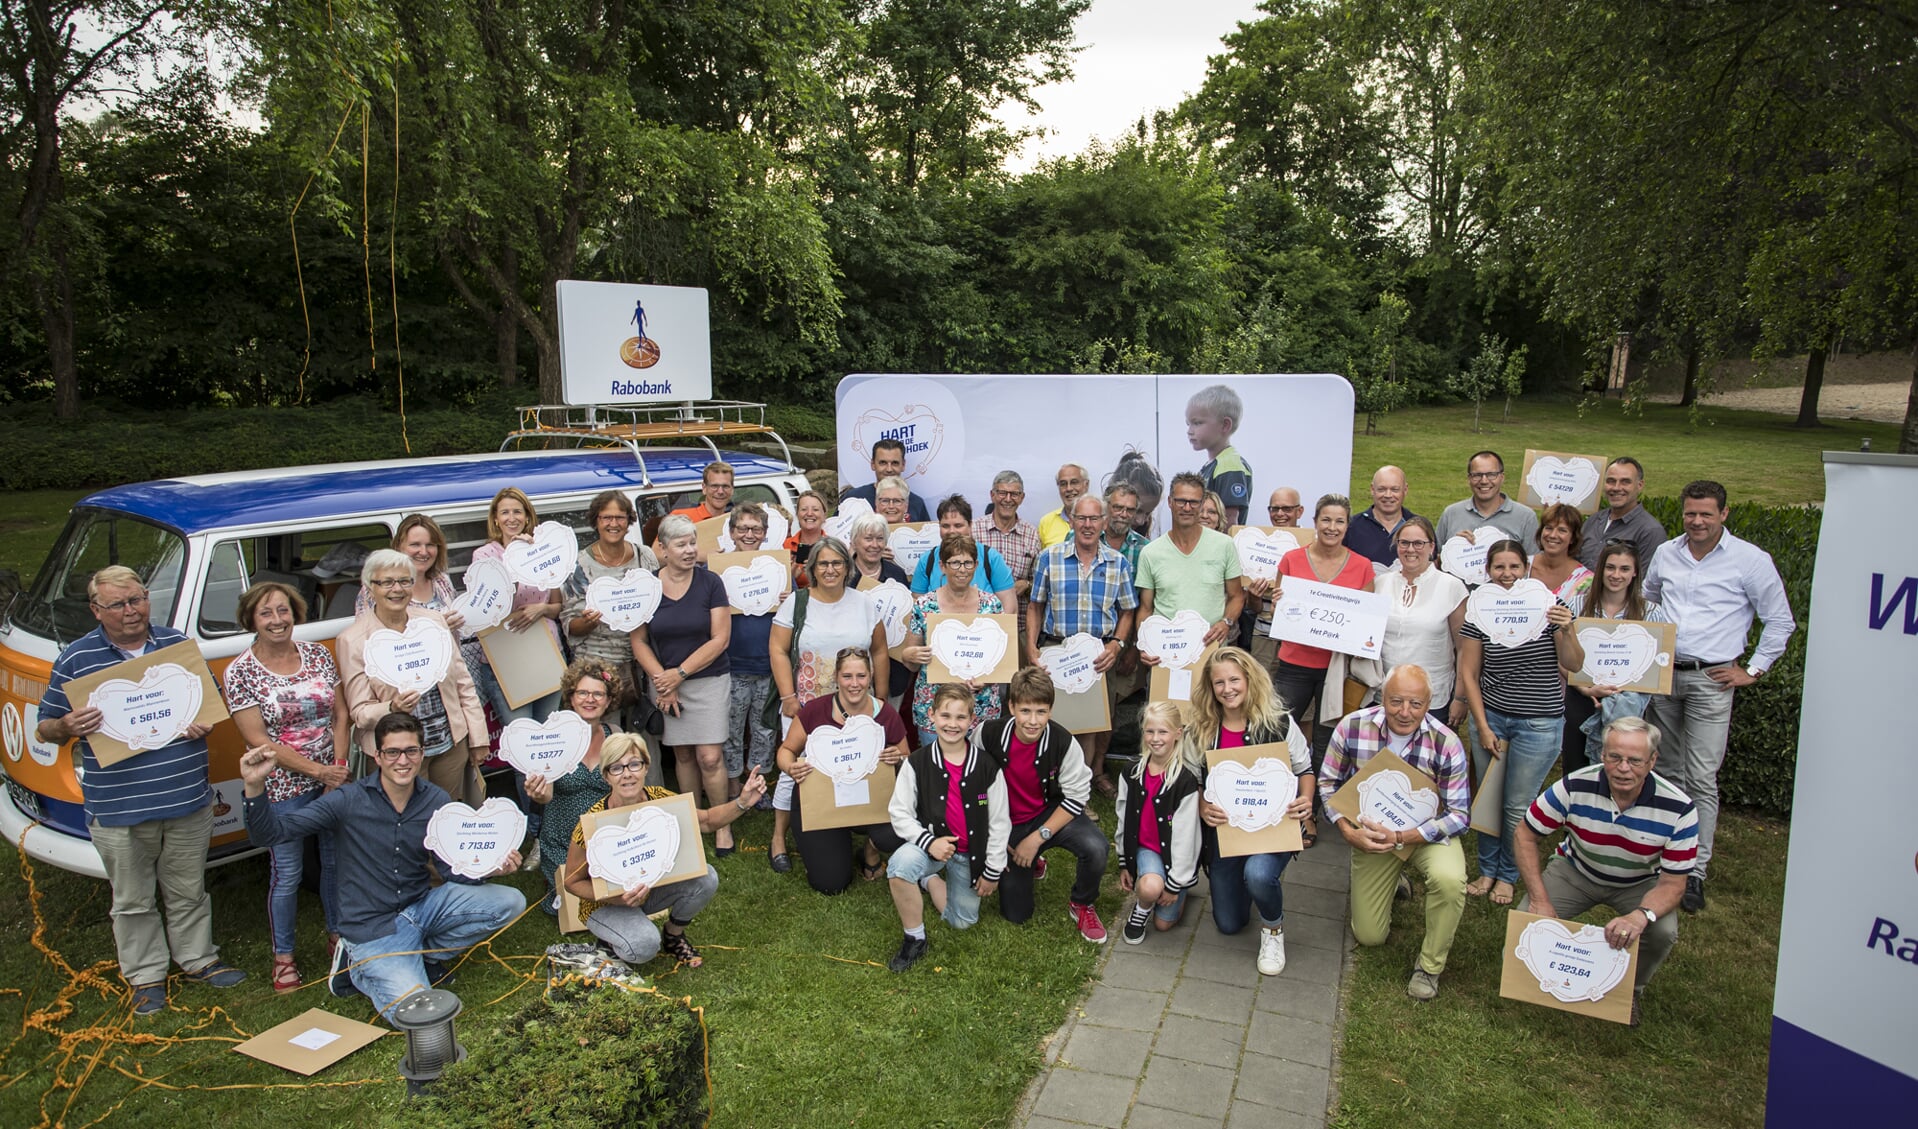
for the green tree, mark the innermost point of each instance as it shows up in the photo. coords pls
(1377, 386)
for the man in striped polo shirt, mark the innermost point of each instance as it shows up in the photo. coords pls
(150, 815)
(1631, 838)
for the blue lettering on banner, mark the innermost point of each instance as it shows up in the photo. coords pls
(1884, 932)
(903, 433)
(642, 388)
(1882, 610)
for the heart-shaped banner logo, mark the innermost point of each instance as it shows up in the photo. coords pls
(1571, 967)
(1619, 656)
(1259, 550)
(416, 660)
(551, 750)
(778, 528)
(893, 601)
(1466, 559)
(1388, 798)
(969, 650)
(755, 590)
(1070, 663)
(1510, 617)
(911, 542)
(149, 713)
(840, 524)
(547, 560)
(475, 843)
(1571, 481)
(846, 753)
(640, 853)
(626, 601)
(1254, 796)
(488, 598)
(1177, 642)
(917, 426)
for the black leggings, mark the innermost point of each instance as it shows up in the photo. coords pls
(828, 854)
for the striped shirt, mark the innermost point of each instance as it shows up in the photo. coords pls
(163, 783)
(1079, 598)
(1434, 750)
(1521, 681)
(1657, 833)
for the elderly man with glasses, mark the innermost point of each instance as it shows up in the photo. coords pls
(397, 929)
(150, 815)
(1016, 541)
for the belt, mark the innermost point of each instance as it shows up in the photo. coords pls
(1699, 664)
(1048, 639)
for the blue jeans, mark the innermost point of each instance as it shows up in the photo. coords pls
(1240, 883)
(629, 930)
(748, 701)
(1531, 749)
(1149, 862)
(915, 866)
(286, 866)
(453, 916)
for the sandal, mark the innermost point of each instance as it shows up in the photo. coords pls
(872, 872)
(286, 975)
(1309, 834)
(1478, 887)
(1104, 786)
(1502, 893)
(676, 945)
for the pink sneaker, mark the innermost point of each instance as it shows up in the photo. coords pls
(1087, 919)
(1039, 869)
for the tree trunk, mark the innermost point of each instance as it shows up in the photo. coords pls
(1908, 438)
(1690, 395)
(506, 330)
(55, 297)
(546, 336)
(1814, 383)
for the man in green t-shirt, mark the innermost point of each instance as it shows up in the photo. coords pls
(1191, 567)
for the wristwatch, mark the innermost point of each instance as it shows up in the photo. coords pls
(1650, 917)
(682, 673)
(1045, 833)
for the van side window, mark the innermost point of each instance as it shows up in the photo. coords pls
(322, 565)
(462, 537)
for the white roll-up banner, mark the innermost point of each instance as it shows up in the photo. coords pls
(1844, 1048)
(961, 430)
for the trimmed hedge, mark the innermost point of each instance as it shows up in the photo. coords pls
(577, 1058)
(1762, 755)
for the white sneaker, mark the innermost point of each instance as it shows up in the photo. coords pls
(1271, 952)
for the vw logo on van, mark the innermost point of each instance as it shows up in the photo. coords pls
(13, 730)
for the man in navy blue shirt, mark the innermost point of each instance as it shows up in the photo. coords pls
(1372, 530)
(889, 460)
(390, 913)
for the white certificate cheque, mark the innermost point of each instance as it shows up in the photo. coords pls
(1325, 615)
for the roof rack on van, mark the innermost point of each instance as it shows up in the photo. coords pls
(633, 426)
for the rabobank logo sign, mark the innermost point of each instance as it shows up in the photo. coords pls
(923, 415)
(623, 342)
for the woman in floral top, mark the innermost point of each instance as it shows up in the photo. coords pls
(285, 697)
(959, 557)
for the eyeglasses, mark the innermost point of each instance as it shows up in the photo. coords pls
(1186, 503)
(1009, 495)
(591, 695)
(625, 768)
(962, 562)
(1095, 519)
(744, 530)
(1285, 509)
(1485, 475)
(1405, 543)
(404, 753)
(1616, 759)
(831, 562)
(1123, 510)
(621, 518)
(388, 583)
(123, 605)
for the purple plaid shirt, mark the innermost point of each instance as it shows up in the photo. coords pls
(1019, 548)
(1435, 751)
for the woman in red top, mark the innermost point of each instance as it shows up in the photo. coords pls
(1299, 675)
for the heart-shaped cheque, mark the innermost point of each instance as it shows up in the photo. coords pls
(1619, 656)
(475, 842)
(640, 853)
(1177, 642)
(1571, 966)
(547, 560)
(414, 660)
(149, 713)
(846, 753)
(840, 524)
(969, 650)
(626, 601)
(1254, 796)
(1070, 662)
(1388, 798)
(1571, 481)
(893, 601)
(1466, 559)
(911, 542)
(1260, 551)
(755, 589)
(1510, 617)
(778, 528)
(488, 598)
(551, 750)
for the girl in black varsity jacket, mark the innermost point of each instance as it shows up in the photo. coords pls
(949, 805)
(1159, 855)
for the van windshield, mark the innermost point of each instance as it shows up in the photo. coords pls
(56, 606)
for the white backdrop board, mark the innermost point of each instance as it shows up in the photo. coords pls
(961, 430)
(1842, 1051)
(606, 358)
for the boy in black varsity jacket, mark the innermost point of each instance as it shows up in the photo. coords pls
(1047, 782)
(949, 805)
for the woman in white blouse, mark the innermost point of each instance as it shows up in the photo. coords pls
(1427, 609)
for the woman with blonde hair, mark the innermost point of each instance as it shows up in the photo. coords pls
(512, 518)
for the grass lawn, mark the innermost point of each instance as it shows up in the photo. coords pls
(1472, 1058)
(804, 1031)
